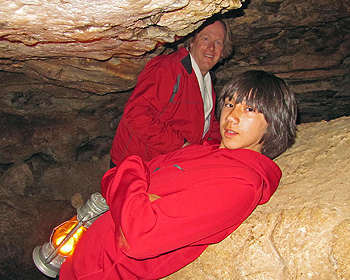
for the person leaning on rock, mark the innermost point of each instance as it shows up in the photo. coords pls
(165, 212)
(173, 103)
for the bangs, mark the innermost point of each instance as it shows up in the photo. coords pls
(257, 89)
(254, 97)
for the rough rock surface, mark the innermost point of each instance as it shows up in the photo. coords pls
(98, 29)
(303, 232)
(94, 46)
(29, 212)
(305, 42)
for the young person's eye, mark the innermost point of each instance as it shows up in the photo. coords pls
(250, 109)
(218, 43)
(229, 105)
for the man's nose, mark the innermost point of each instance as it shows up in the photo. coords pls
(212, 46)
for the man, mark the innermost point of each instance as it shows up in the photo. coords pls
(173, 103)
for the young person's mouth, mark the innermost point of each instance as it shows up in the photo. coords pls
(230, 133)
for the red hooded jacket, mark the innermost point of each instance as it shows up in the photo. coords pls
(206, 193)
(164, 110)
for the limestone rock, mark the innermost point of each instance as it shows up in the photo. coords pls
(303, 232)
(28, 216)
(96, 46)
(98, 29)
(41, 123)
(83, 178)
(301, 42)
(17, 179)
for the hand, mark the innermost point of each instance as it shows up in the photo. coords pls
(186, 144)
(153, 197)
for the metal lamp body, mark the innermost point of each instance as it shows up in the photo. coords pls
(40, 255)
(47, 257)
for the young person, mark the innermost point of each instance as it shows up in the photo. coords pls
(164, 213)
(173, 103)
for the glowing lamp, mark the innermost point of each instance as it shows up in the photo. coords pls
(64, 238)
(61, 232)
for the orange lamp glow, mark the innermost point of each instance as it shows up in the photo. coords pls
(61, 231)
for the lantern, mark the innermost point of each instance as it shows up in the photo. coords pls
(64, 238)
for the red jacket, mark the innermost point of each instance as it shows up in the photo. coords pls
(206, 193)
(164, 110)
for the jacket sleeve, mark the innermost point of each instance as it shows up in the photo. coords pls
(150, 97)
(147, 229)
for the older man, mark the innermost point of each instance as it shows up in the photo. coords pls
(173, 102)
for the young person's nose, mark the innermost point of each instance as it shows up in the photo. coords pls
(233, 116)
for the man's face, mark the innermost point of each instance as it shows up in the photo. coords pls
(206, 48)
(241, 126)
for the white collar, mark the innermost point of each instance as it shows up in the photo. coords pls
(200, 78)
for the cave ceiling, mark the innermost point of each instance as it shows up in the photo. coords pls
(98, 29)
(61, 41)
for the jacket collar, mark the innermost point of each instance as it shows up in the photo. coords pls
(186, 62)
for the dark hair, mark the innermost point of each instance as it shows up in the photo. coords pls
(227, 49)
(271, 96)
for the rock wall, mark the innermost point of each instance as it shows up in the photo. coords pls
(303, 232)
(305, 42)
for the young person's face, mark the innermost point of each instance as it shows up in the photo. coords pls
(241, 126)
(207, 46)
